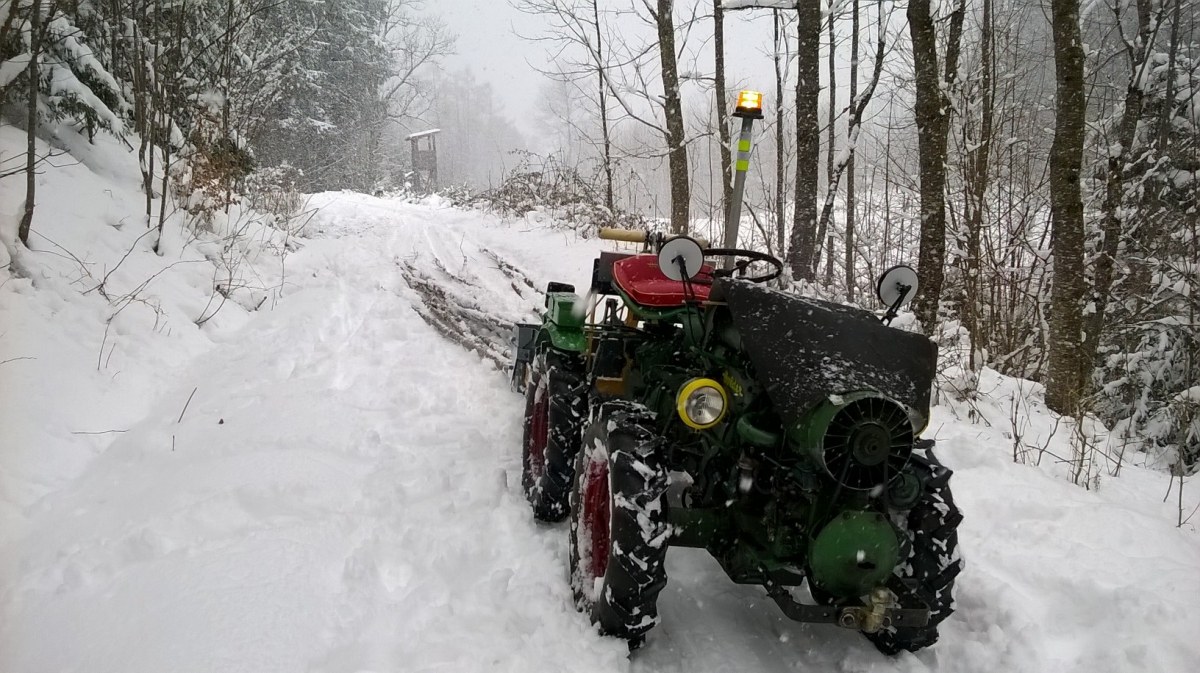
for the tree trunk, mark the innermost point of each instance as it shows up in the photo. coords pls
(226, 103)
(722, 106)
(114, 67)
(887, 192)
(35, 40)
(1065, 385)
(673, 109)
(977, 183)
(141, 108)
(603, 91)
(830, 186)
(858, 105)
(1166, 112)
(808, 140)
(1114, 185)
(780, 166)
(850, 205)
(931, 147)
(932, 116)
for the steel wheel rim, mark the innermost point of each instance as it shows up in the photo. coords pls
(539, 430)
(596, 513)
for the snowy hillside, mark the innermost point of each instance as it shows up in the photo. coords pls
(330, 483)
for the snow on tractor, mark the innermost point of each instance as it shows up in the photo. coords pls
(684, 403)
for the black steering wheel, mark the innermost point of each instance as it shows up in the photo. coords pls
(743, 259)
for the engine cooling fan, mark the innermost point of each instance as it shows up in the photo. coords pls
(868, 442)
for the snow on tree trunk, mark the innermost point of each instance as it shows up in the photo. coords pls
(673, 109)
(1065, 383)
(35, 46)
(802, 245)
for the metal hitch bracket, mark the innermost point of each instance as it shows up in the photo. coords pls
(866, 618)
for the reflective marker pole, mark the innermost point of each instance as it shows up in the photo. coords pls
(749, 108)
(733, 220)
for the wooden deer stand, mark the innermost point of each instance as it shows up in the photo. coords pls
(424, 160)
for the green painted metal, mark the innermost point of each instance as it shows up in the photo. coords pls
(695, 526)
(563, 326)
(753, 434)
(854, 553)
(565, 338)
(565, 309)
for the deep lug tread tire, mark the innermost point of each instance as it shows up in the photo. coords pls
(548, 489)
(626, 605)
(933, 564)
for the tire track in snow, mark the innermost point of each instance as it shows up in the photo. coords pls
(466, 308)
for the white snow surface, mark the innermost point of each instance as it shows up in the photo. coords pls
(342, 492)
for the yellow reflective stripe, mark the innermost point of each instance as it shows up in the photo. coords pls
(744, 146)
(743, 165)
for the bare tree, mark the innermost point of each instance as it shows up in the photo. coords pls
(802, 244)
(831, 143)
(844, 163)
(35, 47)
(415, 43)
(1064, 386)
(664, 19)
(978, 156)
(1121, 151)
(780, 163)
(576, 24)
(852, 135)
(932, 116)
(722, 109)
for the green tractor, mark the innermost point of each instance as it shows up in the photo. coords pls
(682, 403)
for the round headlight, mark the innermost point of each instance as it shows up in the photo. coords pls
(702, 403)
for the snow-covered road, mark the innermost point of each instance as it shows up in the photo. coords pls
(342, 495)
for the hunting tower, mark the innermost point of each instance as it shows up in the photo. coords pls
(424, 160)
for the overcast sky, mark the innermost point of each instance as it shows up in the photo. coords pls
(489, 44)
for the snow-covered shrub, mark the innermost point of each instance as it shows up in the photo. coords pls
(544, 184)
(209, 178)
(457, 195)
(1145, 392)
(73, 83)
(274, 190)
(1149, 356)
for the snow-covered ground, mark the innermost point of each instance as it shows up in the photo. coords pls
(331, 484)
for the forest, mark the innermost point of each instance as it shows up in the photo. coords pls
(1035, 161)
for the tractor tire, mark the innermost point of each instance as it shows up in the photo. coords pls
(555, 405)
(619, 530)
(933, 562)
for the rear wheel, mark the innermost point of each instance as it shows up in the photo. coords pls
(933, 563)
(554, 408)
(619, 530)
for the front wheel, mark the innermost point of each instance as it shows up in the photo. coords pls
(554, 409)
(619, 530)
(933, 563)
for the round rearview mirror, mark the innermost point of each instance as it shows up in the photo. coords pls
(897, 286)
(681, 258)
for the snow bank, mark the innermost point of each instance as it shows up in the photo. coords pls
(92, 322)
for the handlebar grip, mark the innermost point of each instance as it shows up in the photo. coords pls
(627, 235)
